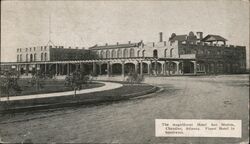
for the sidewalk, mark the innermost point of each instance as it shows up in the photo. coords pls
(107, 86)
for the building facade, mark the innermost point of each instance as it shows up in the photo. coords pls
(179, 55)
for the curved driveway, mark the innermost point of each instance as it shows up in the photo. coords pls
(107, 86)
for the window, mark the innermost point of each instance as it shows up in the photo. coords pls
(31, 57)
(30, 49)
(17, 50)
(41, 56)
(34, 48)
(27, 57)
(171, 52)
(45, 47)
(132, 52)
(155, 53)
(119, 53)
(20, 57)
(45, 56)
(125, 53)
(113, 55)
(138, 53)
(165, 52)
(41, 48)
(103, 54)
(17, 58)
(143, 53)
(26, 49)
(107, 54)
(34, 57)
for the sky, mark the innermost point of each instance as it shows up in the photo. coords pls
(86, 23)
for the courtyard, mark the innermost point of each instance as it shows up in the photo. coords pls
(132, 121)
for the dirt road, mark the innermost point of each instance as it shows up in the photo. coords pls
(132, 121)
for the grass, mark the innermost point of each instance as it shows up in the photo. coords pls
(48, 86)
(125, 92)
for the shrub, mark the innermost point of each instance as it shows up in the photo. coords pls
(9, 83)
(134, 78)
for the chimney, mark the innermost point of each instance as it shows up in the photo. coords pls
(160, 34)
(199, 35)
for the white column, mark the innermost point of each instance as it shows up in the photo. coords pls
(123, 72)
(141, 68)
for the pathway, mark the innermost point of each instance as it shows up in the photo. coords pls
(107, 86)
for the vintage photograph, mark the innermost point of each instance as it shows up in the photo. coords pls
(174, 72)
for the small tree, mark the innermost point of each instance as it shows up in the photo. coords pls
(134, 77)
(9, 83)
(37, 80)
(76, 80)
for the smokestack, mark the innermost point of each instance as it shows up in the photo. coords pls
(160, 34)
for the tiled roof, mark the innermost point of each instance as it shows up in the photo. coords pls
(210, 38)
(178, 38)
(114, 46)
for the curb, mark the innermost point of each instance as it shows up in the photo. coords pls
(76, 103)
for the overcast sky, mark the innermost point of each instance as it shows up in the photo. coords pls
(86, 23)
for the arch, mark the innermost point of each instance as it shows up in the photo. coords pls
(165, 52)
(113, 54)
(155, 53)
(129, 68)
(143, 53)
(116, 68)
(104, 67)
(119, 53)
(171, 52)
(138, 53)
(132, 52)
(125, 53)
(188, 66)
(31, 57)
(156, 67)
(27, 57)
(45, 56)
(107, 54)
(200, 66)
(145, 67)
(34, 57)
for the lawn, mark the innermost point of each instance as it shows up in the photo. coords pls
(48, 86)
(125, 92)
